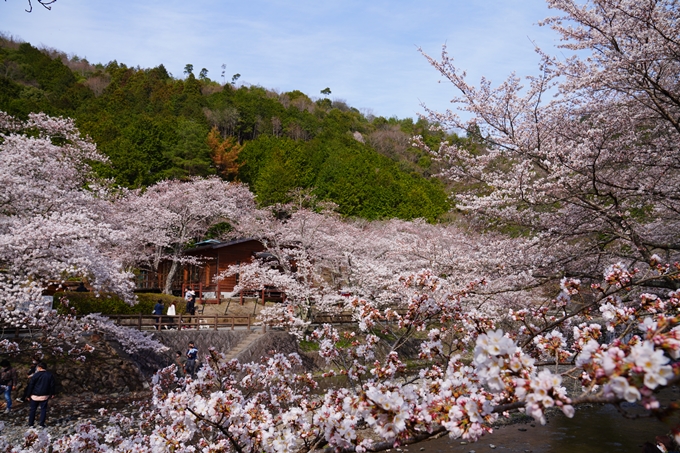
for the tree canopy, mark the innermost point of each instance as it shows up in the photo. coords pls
(153, 126)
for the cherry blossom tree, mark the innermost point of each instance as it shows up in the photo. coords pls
(315, 257)
(275, 406)
(53, 227)
(580, 193)
(586, 153)
(165, 218)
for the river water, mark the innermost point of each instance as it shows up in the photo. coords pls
(596, 429)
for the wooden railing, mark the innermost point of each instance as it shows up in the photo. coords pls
(332, 319)
(11, 331)
(266, 294)
(164, 322)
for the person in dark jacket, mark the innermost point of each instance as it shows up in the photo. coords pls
(158, 310)
(192, 356)
(191, 306)
(41, 388)
(81, 288)
(8, 381)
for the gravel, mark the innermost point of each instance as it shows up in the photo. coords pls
(65, 413)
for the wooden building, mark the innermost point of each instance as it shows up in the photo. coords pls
(216, 257)
(213, 258)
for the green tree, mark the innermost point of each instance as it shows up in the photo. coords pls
(190, 153)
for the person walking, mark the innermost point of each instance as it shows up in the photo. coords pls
(158, 311)
(191, 306)
(41, 388)
(172, 312)
(178, 363)
(8, 381)
(191, 310)
(192, 356)
(31, 372)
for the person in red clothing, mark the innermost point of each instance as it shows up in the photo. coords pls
(41, 388)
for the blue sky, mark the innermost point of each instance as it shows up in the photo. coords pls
(364, 51)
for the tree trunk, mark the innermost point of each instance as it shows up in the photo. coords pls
(168, 279)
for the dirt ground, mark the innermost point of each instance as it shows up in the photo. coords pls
(233, 307)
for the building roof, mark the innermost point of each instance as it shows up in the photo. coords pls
(212, 244)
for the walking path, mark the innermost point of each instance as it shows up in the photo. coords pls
(243, 345)
(233, 308)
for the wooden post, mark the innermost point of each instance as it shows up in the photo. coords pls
(262, 296)
(232, 322)
(215, 322)
(248, 323)
(241, 297)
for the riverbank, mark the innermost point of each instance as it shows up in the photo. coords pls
(65, 413)
(593, 429)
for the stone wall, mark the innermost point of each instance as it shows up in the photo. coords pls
(106, 370)
(110, 370)
(225, 340)
(269, 343)
(221, 340)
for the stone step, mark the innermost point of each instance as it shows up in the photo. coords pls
(242, 345)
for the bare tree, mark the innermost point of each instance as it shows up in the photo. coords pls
(225, 120)
(44, 3)
(98, 83)
(390, 142)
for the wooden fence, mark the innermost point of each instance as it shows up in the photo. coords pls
(332, 319)
(214, 322)
(164, 322)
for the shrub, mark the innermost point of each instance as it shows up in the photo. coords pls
(111, 304)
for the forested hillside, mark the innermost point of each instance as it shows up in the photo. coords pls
(154, 126)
